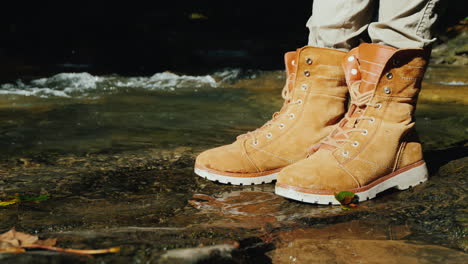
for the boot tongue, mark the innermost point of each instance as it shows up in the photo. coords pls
(372, 60)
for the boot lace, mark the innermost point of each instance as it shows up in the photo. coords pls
(286, 94)
(342, 132)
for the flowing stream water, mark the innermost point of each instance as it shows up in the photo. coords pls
(82, 113)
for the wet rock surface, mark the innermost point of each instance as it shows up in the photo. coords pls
(453, 51)
(146, 199)
(161, 205)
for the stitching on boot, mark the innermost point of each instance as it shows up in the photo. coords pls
(394, 96)
(403, 145)
(413, 67)
(346, 170)
(331, 78)
(326, 65)
(375, 63)
(369, 72)
(409, 78)
(273, 155)
(368, 82)
(401, 149)
(249, 158)
(327, 95)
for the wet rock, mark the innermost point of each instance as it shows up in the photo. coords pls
(364, 251)
(454, 51)
(147, 211)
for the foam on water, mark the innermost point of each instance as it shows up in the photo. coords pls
(83, 84)
(455, 83)
(168, 80)
(40, 92)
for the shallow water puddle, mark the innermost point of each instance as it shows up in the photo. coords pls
(248, 209)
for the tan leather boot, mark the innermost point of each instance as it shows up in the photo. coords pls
(315, 96)
(374, 147)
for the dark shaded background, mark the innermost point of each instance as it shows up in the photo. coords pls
(144, 37)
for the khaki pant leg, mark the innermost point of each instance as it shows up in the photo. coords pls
(404, 23)
(338, 23)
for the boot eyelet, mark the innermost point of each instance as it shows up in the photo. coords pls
(345, 153)
(389, 75)
(291, 116)
(387, 90)
(304, 87)
(365, 132)
(355, 144)
(299, 102)
(293, 62)
(354, 71)
(269, 135)
(372, 120)
(350, 58)
(255, 142)
(281, 126)
(307, 73)
(309, 61)
(378, 106)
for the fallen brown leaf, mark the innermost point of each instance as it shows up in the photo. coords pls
(17, 242)
(14, 238)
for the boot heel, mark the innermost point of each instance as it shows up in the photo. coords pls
(411, 177)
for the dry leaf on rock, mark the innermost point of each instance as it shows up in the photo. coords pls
(16, 242)
(14, 238)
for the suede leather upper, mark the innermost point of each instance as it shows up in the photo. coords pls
(315, 100)
(377, 136)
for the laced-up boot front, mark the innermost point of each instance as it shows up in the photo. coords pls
(374, 147)
(315, 97)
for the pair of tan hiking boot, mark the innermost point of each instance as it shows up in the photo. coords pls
(317, 145)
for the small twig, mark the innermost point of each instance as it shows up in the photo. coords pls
(12, 250)
(76, 251)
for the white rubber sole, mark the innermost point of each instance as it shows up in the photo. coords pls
(402, 181)
(236, 180)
